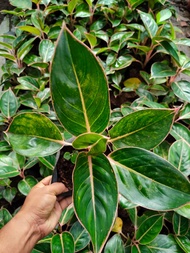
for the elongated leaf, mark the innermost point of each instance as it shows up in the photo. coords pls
(184, 211)
(149, 229)
(95, 197)
(8, 103)
(80, 235)
(179, 156)
(180, 132)
(180, 224)
(149, 23)
(148, 180)
(163, 15)
(62, 243)
(182, 90)
(66, 215)
(30, 29)
(24, 4)
(33, 134)
(9, 194)
(184, 243)
(25, 48)
(161, 69)
(8, 168)
(135, 3)
(79, 87)
(46, 50)
(28, 83)
(171, 48)
(26, 184)
(138, 127)
(162, 244)
(115, 244)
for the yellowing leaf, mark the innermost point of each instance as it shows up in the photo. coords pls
(117, 227)
(132, 83)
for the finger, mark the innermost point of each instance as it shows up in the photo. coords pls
(46, 180)
(65, 202)
(56, 188)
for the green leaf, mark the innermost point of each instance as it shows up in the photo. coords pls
(163, 15)
(30, 29)
(25, 48)
(95, 197)
(171, 48)
(135, 3)
(80, 235)
(180, 224)
(24, 4)
(96, 143)
(8, 103)
(149, 229)
(115, 244)
(148, 180)
(8, 56)
(33, 134)
(28, 83)
(46, 50)
(5, 217)
(26, 184)
(182, 90)
(161, 69)
(184, 211)
(79, 87)
(180, 132)
(62, 243)
(135, 128)
(7, 167)
(184, 243)
(122, 62)
(149, 23)
(179, 156)
(9, 194)
(163, 244)
(66, 215)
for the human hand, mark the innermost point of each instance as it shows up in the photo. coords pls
(42, 208)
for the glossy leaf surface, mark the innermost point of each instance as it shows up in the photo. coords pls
(180, 132)
(182, 90)
(138, 127)
(95, 196)
(26, 184)
(179, 156)
(79, 87)
(148, 180)
(46, 50)
(62, 243)
(80, 235)
(149, 23)
(149, 229)
(180, 224)
(162, 244)
(33, 134)
(115, 244)
(8, 103)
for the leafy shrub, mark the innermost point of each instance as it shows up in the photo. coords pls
(99, 92)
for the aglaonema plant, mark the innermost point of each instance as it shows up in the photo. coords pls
(115, 161)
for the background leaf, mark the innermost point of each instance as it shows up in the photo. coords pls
(79, 92)
(182, 90)
(179, 156)
(80, 235)
(115, 244)
(62, 243)
(8, 103)
(149, 229)
(26, 184)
